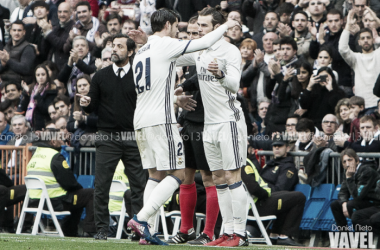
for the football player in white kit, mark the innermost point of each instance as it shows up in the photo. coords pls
(225, 131)
(157, 135)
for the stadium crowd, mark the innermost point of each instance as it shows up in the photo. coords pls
(310, 82)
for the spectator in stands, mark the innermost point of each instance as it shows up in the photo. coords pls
(256, 13)
(236, 15)
(316, 10)
(17, 58)
(247, 50)
(113, 24)
(277, 50)
(359, 176)
(61, 88)
(128, 25)
(69, 195)
(58, 35)
(236, 34)
(270, 23)
(365, 64)
(301, 34)
(331, 39)
(300, 83)
(322, 88)
(5, 132)
(52, 112)
(78, 119)
(256, 75)
(8, 109)
(62, 105)
(284, 11)
(86, 26)
(37, 98)
(342, 112)
(84, 63)
(13, 91)
(105, 60)
(262, 109)
(21, 129)
(330, 124)
(369, 137)
(357, 110)
(324, 60)
(61, 125)
(267, 201)
(182, 34)
(36, 38)
(358, 7)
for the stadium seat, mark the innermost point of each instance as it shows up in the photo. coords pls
(37, 183)
(119, 186)
(326, 220)
(305, 189)
(314, 208)
(87, 181)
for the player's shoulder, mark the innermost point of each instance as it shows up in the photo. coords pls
(230, 48)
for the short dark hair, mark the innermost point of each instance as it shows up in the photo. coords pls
(5, 105)
(369, 118)
(326, 48)
(335, 12)
(106, 40)
(364, 30)
(299, 12)
(276, 42)
(367, 2)
(114, 16)
(131, 45)
(356, 100)
(130, 21)
(294, 116)
(269, 12)
(350, 153)
(19, 22)
(218, 17)
(40, 4)
(63, 98)
(160, 17)
(18, 85)
(83, 3)
(193, 19)
(289, 40)
(305, 124)
(285, 8)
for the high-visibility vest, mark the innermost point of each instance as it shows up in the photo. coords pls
(39, 166)
(116, 198)
(259, 180)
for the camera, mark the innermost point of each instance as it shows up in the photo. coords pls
(322, 78)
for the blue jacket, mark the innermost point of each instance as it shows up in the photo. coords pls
(6, 135)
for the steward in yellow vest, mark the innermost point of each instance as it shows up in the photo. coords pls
(116, 198)
(65, 193)
(288, 206)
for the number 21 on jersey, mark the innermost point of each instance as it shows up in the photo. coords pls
(139, 71)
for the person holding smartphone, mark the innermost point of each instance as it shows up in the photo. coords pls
(322, 89)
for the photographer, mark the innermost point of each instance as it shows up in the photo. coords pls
(322, 89)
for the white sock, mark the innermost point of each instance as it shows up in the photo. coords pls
(150, 186)
(158, 197)
(225, 205)
(239, 207)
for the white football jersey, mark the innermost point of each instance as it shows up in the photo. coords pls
(154, 69)
(218, 95)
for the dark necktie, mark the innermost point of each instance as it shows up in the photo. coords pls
(119, 72)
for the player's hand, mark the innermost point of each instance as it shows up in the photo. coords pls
(178, 91)
(232, 23)
(186, 102)
(139, 36)
(214, 69)
(84, 100)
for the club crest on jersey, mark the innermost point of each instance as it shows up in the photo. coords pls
(179, 161)
(199, 56)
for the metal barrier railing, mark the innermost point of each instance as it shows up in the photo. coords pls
(334, 171)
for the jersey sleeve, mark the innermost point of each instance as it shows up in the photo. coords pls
(186, 60)
(177, 48)
(231, 79)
